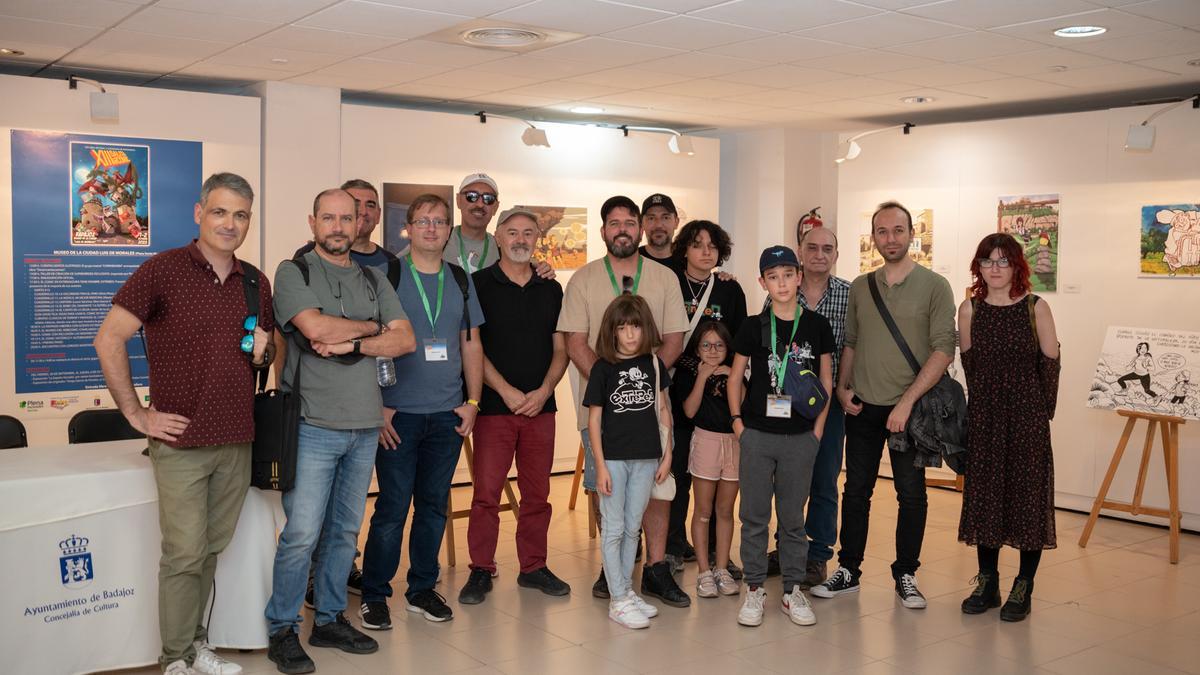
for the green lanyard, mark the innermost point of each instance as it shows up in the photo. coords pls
(781, 369)
(462, 252)
(425, 298)
(637, 279)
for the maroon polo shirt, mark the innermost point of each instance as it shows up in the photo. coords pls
(193, 326)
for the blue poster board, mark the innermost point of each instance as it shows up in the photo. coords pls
(86, 211)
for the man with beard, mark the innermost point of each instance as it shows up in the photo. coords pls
(659, 220)
(524, 358)
(470, 246)
(877, 388)
(338, 315)
(589, 292)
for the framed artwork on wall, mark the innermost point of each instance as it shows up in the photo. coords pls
(563, 242)
(1170, 242)
(1033, 221)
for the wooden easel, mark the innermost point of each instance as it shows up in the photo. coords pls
(1170, 445)
(452, 515)
(575, 483)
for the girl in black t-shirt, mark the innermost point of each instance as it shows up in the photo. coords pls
(624, 411)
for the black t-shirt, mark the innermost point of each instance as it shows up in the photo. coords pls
(713, 414)
(625, 390)
(813, 338)
(674, 263)
(726, 303)
(517, 333)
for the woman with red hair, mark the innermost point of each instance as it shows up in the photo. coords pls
(1010, 355)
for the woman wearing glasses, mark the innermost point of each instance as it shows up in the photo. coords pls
(1011, 358)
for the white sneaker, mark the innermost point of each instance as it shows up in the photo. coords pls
(647, 609)
(751, 613)
(209, 662)
(179, 667)
(726, 584)
(706, 585)
(797, 607)
(626, 613)
(910, 596)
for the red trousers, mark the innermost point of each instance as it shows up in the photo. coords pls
(497, 440)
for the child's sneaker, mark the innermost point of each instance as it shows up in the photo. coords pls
(751, 613)
(706, 585)
(726, 584)
(796, 606)
(625, 612)
(647, 609)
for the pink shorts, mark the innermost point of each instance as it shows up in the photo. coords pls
(713, 456)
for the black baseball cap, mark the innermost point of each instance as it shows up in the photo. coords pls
(777, 256)
(659, 199)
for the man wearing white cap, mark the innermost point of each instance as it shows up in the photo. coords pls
(470, 246)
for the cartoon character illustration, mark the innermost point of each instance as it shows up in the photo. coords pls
(91, 217)
(633, 377)
(1182, 247)
(1180, 389)
(1141, 367)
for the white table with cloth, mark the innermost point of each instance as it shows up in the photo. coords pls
(79, 551)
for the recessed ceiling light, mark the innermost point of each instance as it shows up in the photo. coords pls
(918, 99)
(5, 51)
(279, 59)
(1057, 69)
(587, 110)
(501, 37)
(1080, 31)
(1194, 62)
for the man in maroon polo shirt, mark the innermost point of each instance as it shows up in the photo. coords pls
(200, 424)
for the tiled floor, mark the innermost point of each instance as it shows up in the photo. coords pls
(1115, 607)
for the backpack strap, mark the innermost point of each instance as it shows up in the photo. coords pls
(1030, 301)
(460, 277)
(891, 325)
(393, 269)
(250, 289)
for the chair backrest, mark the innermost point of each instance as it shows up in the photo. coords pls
(12, 433)
(95, 426)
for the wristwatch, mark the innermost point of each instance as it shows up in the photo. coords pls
(357, 347)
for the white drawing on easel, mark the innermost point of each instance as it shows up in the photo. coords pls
(1148, 370)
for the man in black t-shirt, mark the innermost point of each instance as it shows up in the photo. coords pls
(524, 358)
(659, 220)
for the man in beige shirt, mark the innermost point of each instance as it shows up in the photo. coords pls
(877, 388)
(590, 291)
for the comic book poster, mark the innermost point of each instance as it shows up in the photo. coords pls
(1171, 242)
(396, 198)
(563, 243)
(920, 248)
(110, 194)
(1033, 221)
(1148, 370)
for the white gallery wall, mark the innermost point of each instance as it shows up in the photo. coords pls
(227, 125)
(960, 170)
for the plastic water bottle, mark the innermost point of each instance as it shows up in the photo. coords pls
(385, 370)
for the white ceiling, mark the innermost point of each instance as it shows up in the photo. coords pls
(824, 64)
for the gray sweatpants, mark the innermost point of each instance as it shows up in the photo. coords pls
(776, 465)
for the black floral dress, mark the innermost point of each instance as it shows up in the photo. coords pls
(1008, 491)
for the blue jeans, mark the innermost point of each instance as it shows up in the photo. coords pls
(324, 512)
(622, 512)
(418, 472)
(821, 521)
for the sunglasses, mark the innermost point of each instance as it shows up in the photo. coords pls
(472, 196)
(989, 262)
(249, 325)
(627, 285)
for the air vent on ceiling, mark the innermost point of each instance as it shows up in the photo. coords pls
(501, 35)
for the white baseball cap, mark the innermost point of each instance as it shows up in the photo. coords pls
(478, 178)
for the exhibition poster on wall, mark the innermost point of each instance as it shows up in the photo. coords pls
(86, 211)
(1171, 241)
(1033, 221)
(920, 248)
(563, 241)
(1148, 370)
(396, 198)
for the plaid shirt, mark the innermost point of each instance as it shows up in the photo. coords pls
(832, 306)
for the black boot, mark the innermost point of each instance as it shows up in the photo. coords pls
(600, 588)
(986, 594)
(658, 582)
(1020, 600)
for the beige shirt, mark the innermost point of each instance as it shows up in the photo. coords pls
(590, 292)
(922, 306)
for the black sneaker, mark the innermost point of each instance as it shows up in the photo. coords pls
(354, 581)
(339, 634)
(544, 580)
(689, 553)
(285, 651)
(600, 588)
(308, 595)
(658, 582)
(734, 571)
(773, 569)
(986, 594)
(841, 581)
(1020, 600)
(431, 604)
(478, 585)
(814, 573)
(375, 616)
(910, 595)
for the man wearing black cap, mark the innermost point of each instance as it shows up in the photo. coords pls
(659, 220)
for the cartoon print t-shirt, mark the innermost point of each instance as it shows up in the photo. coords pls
(813, 338)
(625, 390)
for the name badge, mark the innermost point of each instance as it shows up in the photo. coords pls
(436, 350)
(779, 406)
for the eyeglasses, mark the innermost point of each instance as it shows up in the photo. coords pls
(429, 224)
(989, 262)
(712, 346)
(627, 285)
(472, 196)
(249, 325)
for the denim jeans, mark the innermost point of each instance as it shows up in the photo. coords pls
(632, 481)
(324, 511)
(416, 473)
(821, 522)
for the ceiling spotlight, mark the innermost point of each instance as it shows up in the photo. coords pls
(1140, 137)
(535, 136)
(5, 51)
(279, 59)
(681, 145)
(104, 104)
(587, 110)
(1194, 62)
(918, 99)
(1080, 31)
(853, 149)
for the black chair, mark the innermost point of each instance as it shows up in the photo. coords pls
(12, 433)
(95, 426)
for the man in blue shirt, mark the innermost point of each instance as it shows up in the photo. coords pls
(425, 418)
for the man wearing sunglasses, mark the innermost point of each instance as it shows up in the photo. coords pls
(470, 246)
(202, 351)
(589, 292)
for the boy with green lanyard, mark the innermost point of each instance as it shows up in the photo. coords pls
(778, 444)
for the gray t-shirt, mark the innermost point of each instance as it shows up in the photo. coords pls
(479, 254)
(333, 395)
